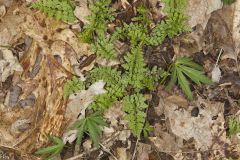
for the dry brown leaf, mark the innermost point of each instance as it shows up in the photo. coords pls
(216, 74)
(2, 11)
(236, 26)
(199, 11)
(122, 154)
(82, 11)
(79, 101)
(143, 151)
(8, 64)
(202, 128)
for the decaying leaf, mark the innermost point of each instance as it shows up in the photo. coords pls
(203, 127)
(8, 64)
(199, 11)
(79, 101)
(2, 11)
(82, 11)
(216, 74)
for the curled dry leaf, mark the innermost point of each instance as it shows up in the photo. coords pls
(5, 37)
(203, 128)
(216, 74)
(79, 101)
(69, 136)
(2, 11)
(199, 11)
(20, 126)
(69, 37)
(125, 4)
(143, 151)
(82, 11)
(8, 64)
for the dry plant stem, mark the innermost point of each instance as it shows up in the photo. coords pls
(218, 58)
(135, 150)
(109, 152)
(77, 157)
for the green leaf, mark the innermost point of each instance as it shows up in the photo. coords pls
(92, 125)
(135, 106)
(53, 150)
(186, 67)
(173, 79)
(60, 9)
(184, 84)
(72, 86)
(196, 75)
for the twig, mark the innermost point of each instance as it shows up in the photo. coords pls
(135, 150)
(106, 150)
(218, 58)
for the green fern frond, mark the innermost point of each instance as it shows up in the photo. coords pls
(143, 16)
(147, 129)
(136, 33)
(60, 9)
(72, 86)
(185, 67)
(175, 23)
(100, 16)
(52, 150)
(135, 106)
(135, 71)
(91, 125)
(115, 86)
(104, 48)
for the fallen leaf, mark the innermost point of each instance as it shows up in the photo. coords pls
(199, 11)
(82, 11)
(69, 136)
(216, 74)
(236, 26)
(143, 151)
(79, 101)
(2, 11)
(122, 154)
(5, 37)
(125, 4)
(8, 64)
(202, 128)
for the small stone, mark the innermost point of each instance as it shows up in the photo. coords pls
(195, 112)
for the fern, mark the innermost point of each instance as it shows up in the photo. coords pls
(234, 126)
(104, 48)
(136, 33)
(60, 9)
(91, 125)
(53, 150)
(142, 16)
(135, 71)
(72, 86)
(115, 86)
(186, 67)
(175, 23)
(152, 77)
(100, 16)
(147, 129)
(135, 106)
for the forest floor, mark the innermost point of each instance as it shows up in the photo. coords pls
(39, 55)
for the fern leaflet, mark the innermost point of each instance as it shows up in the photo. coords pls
(60, 9)
(135, 106)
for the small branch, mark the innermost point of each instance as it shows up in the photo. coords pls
(135, 150)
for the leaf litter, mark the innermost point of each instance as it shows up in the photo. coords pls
(32, 80)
